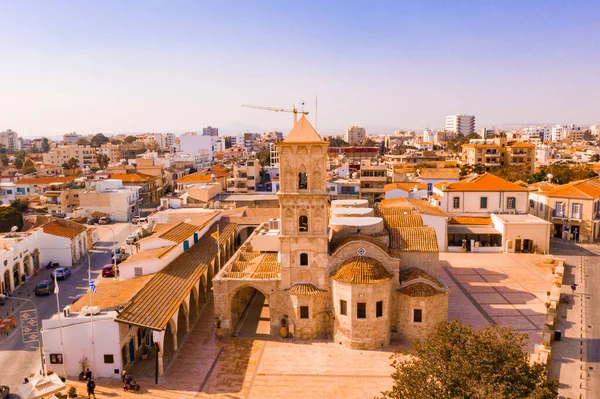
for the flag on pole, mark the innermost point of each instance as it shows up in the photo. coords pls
(55, 285)
(93, 286)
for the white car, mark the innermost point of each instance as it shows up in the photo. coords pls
(130, 240)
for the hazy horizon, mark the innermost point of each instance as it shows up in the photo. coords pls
(179, 66)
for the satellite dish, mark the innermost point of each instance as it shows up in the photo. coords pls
(14, 229)
(217, 205)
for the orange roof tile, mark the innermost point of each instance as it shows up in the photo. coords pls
(582, 190)
(46, 180)
(111, 294)
(132, 177)
(63, 228)
(404, 186)
(416, 204)
(197, 177)
(180, 232)
(470, 220)
(442, 173)
(484, 182)
(147, 255)
(362, 270)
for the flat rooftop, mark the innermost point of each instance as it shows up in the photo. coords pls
(355, 221)
(520, 219)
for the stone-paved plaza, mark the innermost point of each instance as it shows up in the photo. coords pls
(507, 289)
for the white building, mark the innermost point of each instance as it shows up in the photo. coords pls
(218, 143)
(487, 132)
(274, 155)
(542, 131)
(71, 138)
(8, 191)
(171, 142)
(460, 123)
(355, 135)
(110, 197)
(194, 143)
(10, 140)
(561, 132)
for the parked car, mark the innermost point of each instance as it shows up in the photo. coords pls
(59, 215)
(120, 257)
(62, 273)
(44, 287)
(104, 220)
(92, 221)
(4, 392)
(77, 297)
(108, 271)
(139, 219)
(131, 240)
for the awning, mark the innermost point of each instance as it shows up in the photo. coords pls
(452, 229)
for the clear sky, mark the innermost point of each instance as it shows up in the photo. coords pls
(134, 66)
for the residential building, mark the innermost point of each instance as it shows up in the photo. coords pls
(112, 151)
(462, 124)
(8, 191)
(111, 198)
(61, 241)
(373, 178)
(479, 195)
(171, 144)
(355, 135)
(499, 152)
(246, 177)
(571, 132)
(343, 188)
(353, 154)
(274, 155)
(193, 143)
(487, 132)
(148, 192)
(405, 190)
(71, 138)
(84, 154)
(10, 141)
(210, 131)
(573, 209)
(36, 186)
(542, 131)
(413, 157)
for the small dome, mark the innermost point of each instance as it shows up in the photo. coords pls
(362, 270)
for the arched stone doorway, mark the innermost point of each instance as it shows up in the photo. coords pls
(243, 234)
(27, 266)
(193, 305)
(6, 281)
(16, 275)
(250, 313)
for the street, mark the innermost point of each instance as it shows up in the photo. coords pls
(19, 360)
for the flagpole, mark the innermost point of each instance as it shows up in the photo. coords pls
(62, 348)
(91, 311)
(219, 245)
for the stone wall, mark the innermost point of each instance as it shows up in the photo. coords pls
(427, 261)
(370, 332)
(435, 311)
(318, 323)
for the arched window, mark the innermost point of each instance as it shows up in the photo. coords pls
(303, 224)
(302, 181)
(303, 259)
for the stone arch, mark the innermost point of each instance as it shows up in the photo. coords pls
(183, 322)
(202, 290)
(27, 266)
(243, 298)
(6, 282)
(169, 344)
(288, 178)
(303, 222)
(315, 178)
(304, 259)
(194, 304)
(16, 274)
(301, 150)
(289, 221)
(302, 178)
(374, 249)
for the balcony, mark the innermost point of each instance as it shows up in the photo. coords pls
(518, 154)
(492, 154)
(492, 163)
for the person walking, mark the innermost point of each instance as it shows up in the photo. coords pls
(88, 374)
(91, 385)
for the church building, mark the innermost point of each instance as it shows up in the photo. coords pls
(341, 270)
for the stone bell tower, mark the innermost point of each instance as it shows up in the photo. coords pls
(303, 206)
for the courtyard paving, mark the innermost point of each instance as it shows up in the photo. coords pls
(506, 289)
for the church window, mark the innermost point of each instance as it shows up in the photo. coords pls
(343, 307)
(304, 312)
(303, 224)
(302, 181)
(361, 310)
(418, 315)
(303, 259)
(379, 309)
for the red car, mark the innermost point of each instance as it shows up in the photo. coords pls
(108, 271)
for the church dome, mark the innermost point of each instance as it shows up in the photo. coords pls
(362, 270)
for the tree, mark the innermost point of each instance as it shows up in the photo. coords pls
(10, 217)
(103, 160)
(595, 158)
(338, 142)
(98, 140)
(19, 159)
(129, 139)
(456, 361)
(563, 172)
(227, 142)
(115, 141)
(45, 144)
(587, 135)
(28, 167)
(193, 170)
(83, 141)
(4, 159)
(368, 142)
(20, 205)
(510, 172)
(73, 163)
(466, 170)
(264, 157)
(382, 148)
(455, 143)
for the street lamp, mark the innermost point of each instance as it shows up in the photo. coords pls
(39, 337)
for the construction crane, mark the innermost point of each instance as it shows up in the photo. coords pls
(294, 110)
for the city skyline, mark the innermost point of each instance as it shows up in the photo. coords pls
(152, 66)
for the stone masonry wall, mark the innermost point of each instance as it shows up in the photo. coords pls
(435, 311)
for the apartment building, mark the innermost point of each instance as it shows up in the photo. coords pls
(210, 131)
(564, 132)
(110, 150)
(355, 135)
(573, 209)
(246, 177)
(71, 138)
(148, 192)
(9, 139)
(36, 186)
(463, 124)
(111, 197)
(84, 154)
(171, 144)
(343, 188)
(193, 143)
(542, 131)
(499, 152)
(373, 178)
(487, 132)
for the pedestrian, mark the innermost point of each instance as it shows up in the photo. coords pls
(26, 380)
(91, 385)
(573, 288)
(88, 374)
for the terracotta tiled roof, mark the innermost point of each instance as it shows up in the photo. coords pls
(418, 283)
(411, 220)
(254, 265)
(585, 189)
(147, 254)
(337, 244)
(419, 290)
(172, 284)
(63, 228)
(521, 145)
(180, 232)
(362, 270)
(470, 220)
(484, 182)
(442, 173)
(304, 289)
(404, 186)
(111, 294)
(414, 239)
(132, 177)
(414, 273)
(398, 206)
(197, 177)
(46, 180)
